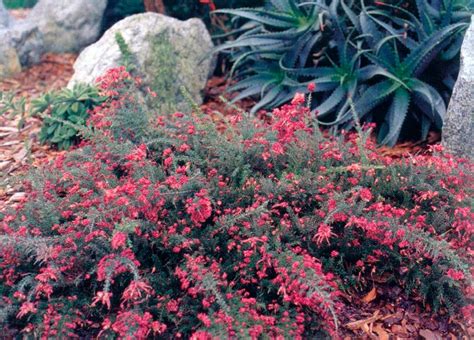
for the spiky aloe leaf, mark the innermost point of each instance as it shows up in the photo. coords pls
(434, 106)
(396, 116)
(418, 59)
(373, 96)
(266, 17)
(331, 102)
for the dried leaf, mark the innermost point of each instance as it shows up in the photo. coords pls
(359, 324)
(381, 332)
(17, 197)
(430, 335)
(371, 296)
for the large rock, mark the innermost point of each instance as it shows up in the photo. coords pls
(26, 39)
(9, 61)
(68, 25)
(458, 130)
(168, 53)
(22, 45)
(4, 16)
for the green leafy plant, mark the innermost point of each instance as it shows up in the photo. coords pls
(13, 4)
(379, 55)
(63, 112)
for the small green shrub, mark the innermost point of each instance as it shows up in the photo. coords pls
(172, 227)
(396, 60)
(63, 112)
(14, 4)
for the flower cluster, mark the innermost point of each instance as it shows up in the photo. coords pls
(171, 227)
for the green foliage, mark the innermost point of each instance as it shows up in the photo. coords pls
(162, 61)
(63, 112)
(13, 4)
(126, 55)
(379, 55)
(117, 10)
(12, 105)
(186, 9)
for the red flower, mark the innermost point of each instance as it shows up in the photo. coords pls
(26, 307)
(365, 194)
(200, 211)
(103, 298)
(135, 290)
(118, 240)
(324, 234)
(455, 274)
(298, 99)
(278, 149)
(204, 319)
(211, 4)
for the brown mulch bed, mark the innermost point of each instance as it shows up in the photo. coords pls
(382, 313)
(19, 147)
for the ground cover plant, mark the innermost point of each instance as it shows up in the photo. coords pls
(179, 227)
(396, 60)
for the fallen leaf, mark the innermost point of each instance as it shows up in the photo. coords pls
(359, 324)
(371, 296)
(430, 335)
(20, 155)
(399, 330)
(4, 165)
(381, 332)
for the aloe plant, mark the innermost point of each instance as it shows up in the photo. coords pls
(376, 55)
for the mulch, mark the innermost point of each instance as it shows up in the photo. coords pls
(383, 313)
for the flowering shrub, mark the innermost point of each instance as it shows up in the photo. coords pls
(174, 228)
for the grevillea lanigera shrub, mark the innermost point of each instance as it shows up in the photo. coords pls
(180, 227)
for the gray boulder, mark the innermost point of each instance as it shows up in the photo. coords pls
(4, 16)
(68, 25)
(167, 53)
(22, 45)
(26, 39)
(458, 129)
(9, 61)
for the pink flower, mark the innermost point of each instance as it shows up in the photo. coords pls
(455, 274)
(365, 194)
(172, 306)
(204, 319)
(200, 211)
(139, 154)
(118, 240)
(26, 307)
(103, 298)
(135, 290)
(324, 234)
(158, 327)
(311, 87)
(298, 99)
(201, 335)
(278, 149)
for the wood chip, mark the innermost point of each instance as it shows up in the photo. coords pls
(17, 197)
